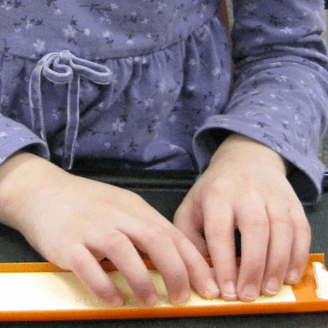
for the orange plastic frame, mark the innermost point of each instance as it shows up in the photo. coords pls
(306, 301)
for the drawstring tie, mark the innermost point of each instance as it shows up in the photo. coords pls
(63, 68)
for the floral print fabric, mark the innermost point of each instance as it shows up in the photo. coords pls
(164, 103)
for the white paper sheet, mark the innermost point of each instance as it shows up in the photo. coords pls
(321, 279)
(63, 291)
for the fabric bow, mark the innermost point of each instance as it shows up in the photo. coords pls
(63, 68)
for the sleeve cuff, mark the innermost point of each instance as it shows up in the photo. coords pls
(15, 137)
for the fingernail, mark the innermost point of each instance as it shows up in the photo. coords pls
(250, 292)
(181, 298)
(229, 290)
(212, 289)
(272, 287)
(292, 276)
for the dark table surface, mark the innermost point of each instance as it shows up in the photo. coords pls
(165, 196)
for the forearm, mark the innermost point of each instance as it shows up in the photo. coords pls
(22, 176)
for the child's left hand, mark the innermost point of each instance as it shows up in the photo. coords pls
(245, 187)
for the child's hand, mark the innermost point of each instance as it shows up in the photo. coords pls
(72, 220)
(245, 187)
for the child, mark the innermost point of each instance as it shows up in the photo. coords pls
(144, 85)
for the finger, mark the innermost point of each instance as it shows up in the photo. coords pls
(254, 228)
(188, 219)
(119, 249)
(200, 275)
(154, 240)
(192, 248)
(300, 247)
(279, 250)
(219, 231)
(87, 269)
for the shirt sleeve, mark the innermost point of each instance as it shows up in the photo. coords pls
(15, 136)
(281, 88)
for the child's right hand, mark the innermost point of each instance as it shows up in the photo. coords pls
(71, 221)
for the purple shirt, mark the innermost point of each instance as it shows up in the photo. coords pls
(145, 84)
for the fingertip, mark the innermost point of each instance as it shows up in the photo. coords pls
(117, 301)
(271, 287)
(107, 293)
(229, 298)
(211, 290)
(180, 298)
(151, 301)
(293, 277)
(229, 292)
(114, 301)
(249, 293)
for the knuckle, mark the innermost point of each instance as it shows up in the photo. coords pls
(300, 222)
(140, 282)
(101, 288)
(257, 222)
(304, 228)
(114, 242)
(137, 199)
(180, 240)
(177, 236)
(255, 265)
(178, 275)
(181, 211)
(76, 261)
(98, 286)
(154, 233)
(220, 230)
(216, 187)
(250, 201)
(281, 220)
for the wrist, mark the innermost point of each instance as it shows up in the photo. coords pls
(241, 149)
(22, 176)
